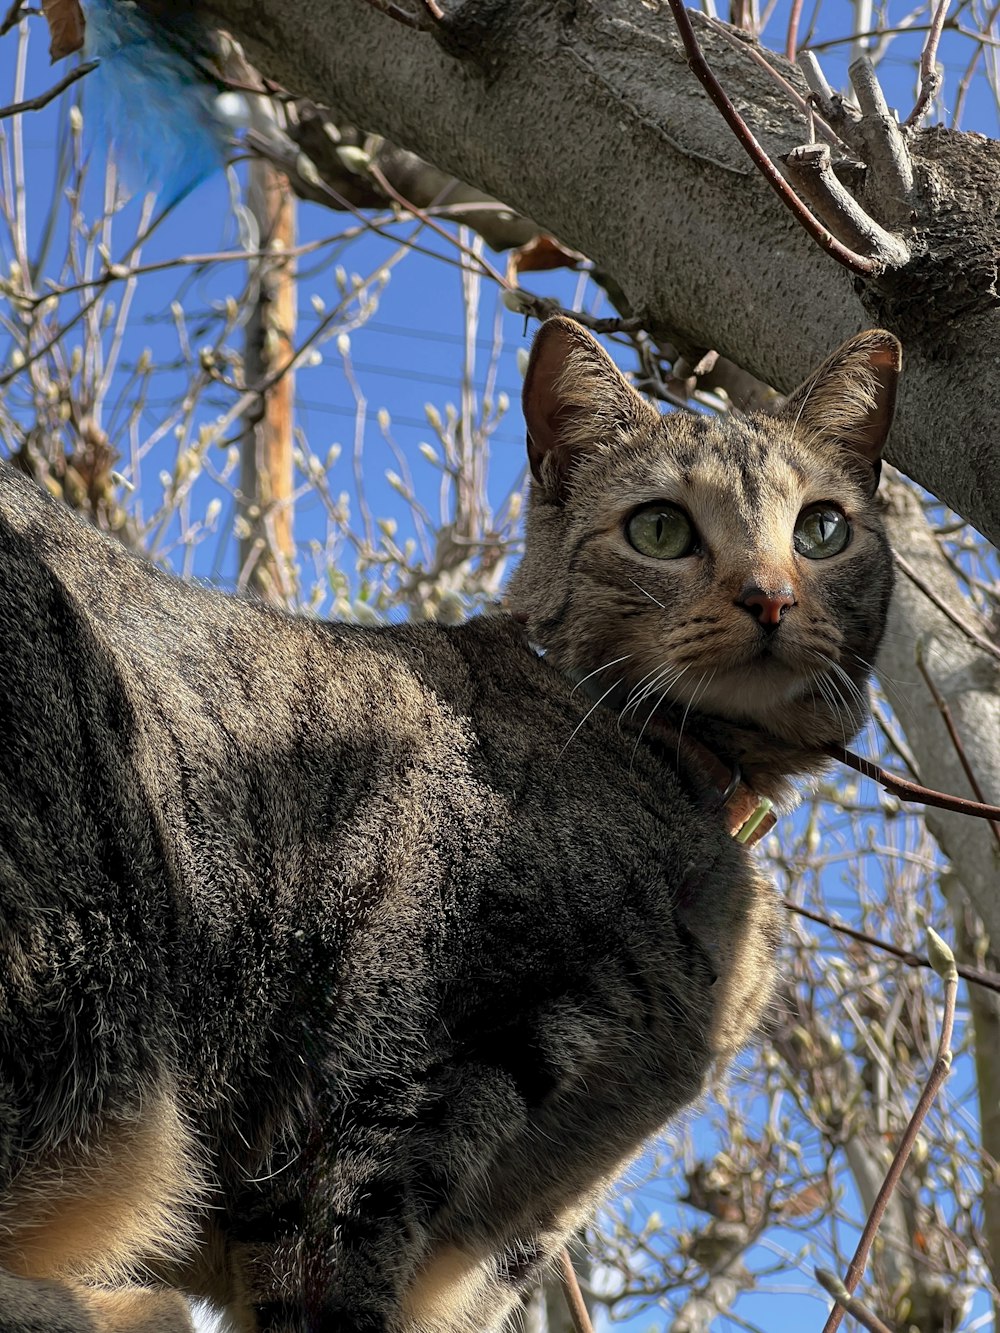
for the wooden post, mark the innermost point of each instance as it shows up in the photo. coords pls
(267, 544)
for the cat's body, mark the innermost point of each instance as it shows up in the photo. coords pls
(342, 969)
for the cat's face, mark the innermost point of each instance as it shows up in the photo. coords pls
(735, 567)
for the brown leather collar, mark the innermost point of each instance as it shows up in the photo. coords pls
(749, 817)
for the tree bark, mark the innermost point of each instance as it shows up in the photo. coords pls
(583, 115)
(968, 679)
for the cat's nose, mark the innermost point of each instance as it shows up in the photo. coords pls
(766, 605)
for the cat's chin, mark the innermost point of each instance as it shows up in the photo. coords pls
(759, 694)
(772, 718)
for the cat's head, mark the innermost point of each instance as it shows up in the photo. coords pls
(734, 568)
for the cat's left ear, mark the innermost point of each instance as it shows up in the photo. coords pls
(575, 400)
(850, 399)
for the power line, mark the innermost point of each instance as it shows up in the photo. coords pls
(420, 423)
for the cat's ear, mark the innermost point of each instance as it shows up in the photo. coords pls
(849, 399)
(575, 400)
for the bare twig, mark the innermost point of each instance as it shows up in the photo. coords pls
(902, 29)
(944, 965)
(392, 193)
(988, 980)
(970, 69)
(815, 78)
(930, 77)
(911, 791)
(860, 264)
(529, 305)
(12, 17)
(574, 1296)
(835, 111)
(956, 740)
(791, 42)
(945, 609)
(43, 99)
(789, 89)
(850, 1304)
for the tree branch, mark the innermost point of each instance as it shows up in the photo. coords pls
(967, 677)
(43, 99)
(566, 113)
(851, 259)
(944, 965)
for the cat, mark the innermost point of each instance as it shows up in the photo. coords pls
(344, 969)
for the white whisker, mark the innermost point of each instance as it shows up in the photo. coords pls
(647, 594)
(649, 716)
(704, 681)
(667, 677)
(597, 671)
(586, 715)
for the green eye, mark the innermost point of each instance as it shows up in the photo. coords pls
(661, 531)
(821, 531)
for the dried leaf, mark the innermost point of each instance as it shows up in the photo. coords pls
(806, 1201)
(541, 253)
(66, 27)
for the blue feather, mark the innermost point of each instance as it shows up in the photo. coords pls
(155, 107)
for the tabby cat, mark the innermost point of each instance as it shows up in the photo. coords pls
(343, 969)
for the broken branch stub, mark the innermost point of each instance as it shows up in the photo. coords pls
(811, 171)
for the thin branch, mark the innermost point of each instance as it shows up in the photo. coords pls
(930, 78)
(966, 79)
(791, 92)
(791, 42)
(911, 791)
(902, 30)
(43, 99)
(848, 1303)
(945, 609)
(481, 264)
(859, 264)
(525, 303)
(956, 740)
(988, 980)
(574, 1296)
(13, 17)
(944, 965)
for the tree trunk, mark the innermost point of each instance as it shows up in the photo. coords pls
(967, 676)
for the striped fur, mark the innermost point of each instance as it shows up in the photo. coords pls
(342, 970)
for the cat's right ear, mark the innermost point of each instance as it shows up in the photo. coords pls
(575, 400)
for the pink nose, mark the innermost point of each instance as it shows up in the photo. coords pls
(767, 605)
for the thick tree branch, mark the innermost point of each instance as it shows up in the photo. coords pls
(967, 678)
(586, 118)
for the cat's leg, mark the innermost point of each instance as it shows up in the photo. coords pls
(31, 1305)
(73, 1218)
(358, 1254)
